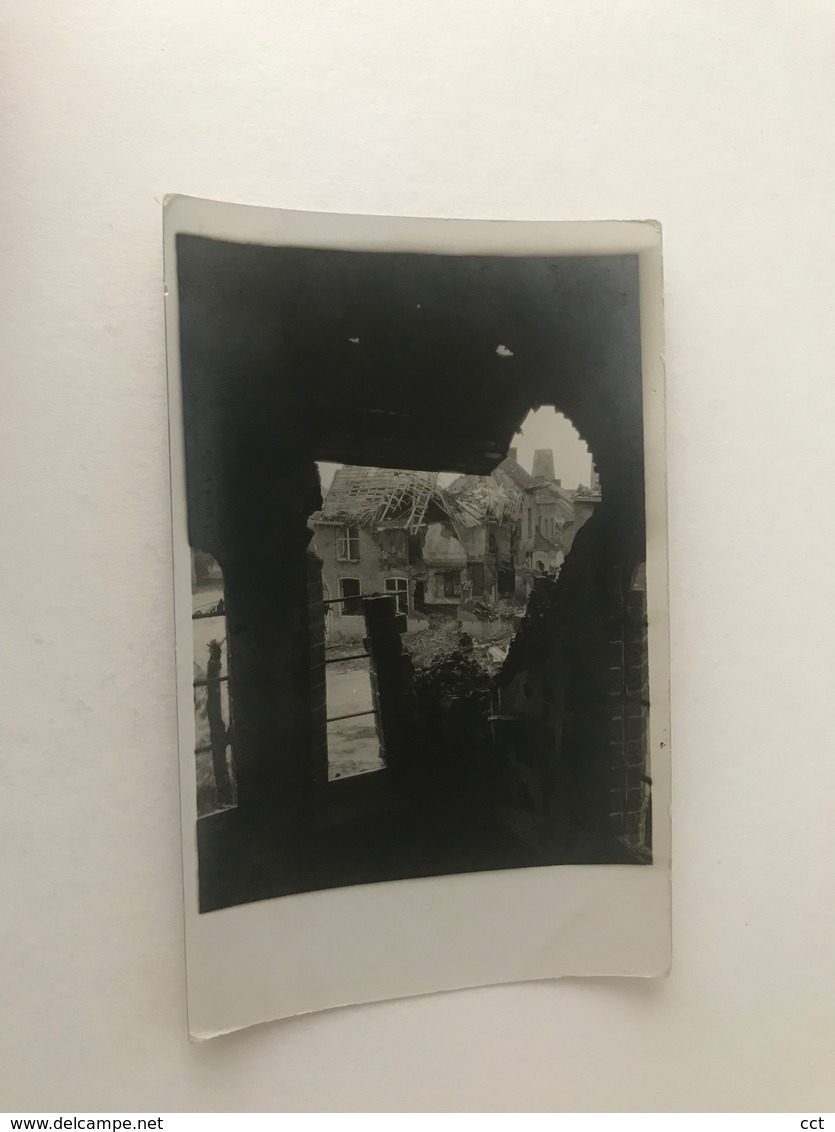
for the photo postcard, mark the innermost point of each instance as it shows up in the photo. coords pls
(420, 556)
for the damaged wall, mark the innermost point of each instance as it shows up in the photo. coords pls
(371, 569)
(573, 702)
(273, 379)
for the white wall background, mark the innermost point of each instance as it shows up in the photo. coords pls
(714, 117)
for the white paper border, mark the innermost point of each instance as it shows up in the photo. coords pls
(296, 954)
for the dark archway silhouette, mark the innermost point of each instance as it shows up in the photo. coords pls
(292, 355)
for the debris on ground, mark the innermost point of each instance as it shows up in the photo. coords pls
(430, 645)
(355, 649)
(454, 694)
(503, 609)
(444, 639)
(498, 653)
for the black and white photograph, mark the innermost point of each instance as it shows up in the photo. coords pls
(413, 703)
(415, 508)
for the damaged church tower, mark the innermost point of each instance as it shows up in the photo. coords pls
(543, 465)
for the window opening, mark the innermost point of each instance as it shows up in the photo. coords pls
(348, 544)
(399, 588)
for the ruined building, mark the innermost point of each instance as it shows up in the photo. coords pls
(370, 535)
(393, 531)
(389, 531)
(541, 518)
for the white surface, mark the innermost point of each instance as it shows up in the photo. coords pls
(714, 118)
(276, 958)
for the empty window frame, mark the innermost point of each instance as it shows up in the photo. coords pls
(452, 583)
(348, 544)
(399, 589)
(476, 570)
(349, 589)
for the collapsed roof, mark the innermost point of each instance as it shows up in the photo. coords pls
(406, 500)
(393, 497)
(511, 475)
(483, 498)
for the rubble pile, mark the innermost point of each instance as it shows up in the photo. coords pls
(433, 644)
(505, 609)
(445, 639)
(453, 696)
(453, 674)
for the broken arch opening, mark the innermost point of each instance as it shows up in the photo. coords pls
(457, 555)
(391, 359)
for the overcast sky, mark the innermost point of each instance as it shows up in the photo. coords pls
(544, 428)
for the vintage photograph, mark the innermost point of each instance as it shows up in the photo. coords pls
(415, 503)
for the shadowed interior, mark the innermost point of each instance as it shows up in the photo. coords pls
(290, 356)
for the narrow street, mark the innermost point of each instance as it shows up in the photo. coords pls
(352, 743)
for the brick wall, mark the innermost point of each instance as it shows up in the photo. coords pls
(371, 571)
(579, 663)
(629, 705)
